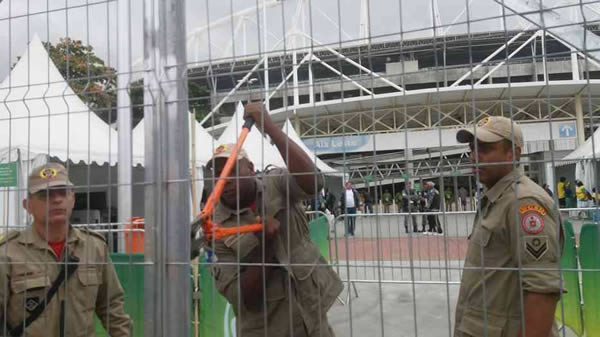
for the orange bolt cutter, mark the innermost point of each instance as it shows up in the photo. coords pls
(210, 229)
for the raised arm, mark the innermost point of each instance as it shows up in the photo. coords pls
(298, 162)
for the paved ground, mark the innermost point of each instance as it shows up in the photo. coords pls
(407, 284)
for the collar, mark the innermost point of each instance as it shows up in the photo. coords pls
(31, 236)
(223, 212)
(496, 191)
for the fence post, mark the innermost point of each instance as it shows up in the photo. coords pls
(167, 284)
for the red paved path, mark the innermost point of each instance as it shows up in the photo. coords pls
(397, 249)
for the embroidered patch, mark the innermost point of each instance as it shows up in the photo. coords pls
(31, 303)
(483, 122)
(48, 173)
(536, 246)
(532, 208)
(532, 223)
(220, 149)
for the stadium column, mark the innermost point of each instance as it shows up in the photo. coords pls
(579, 120)
(409, 164)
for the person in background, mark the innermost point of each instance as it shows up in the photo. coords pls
(386, 199)
(330, 202)
(434, 201)
(463, 195)
(448, 199)
(409, 204)
(582, 195)
(595, 196)
(569, 197)
(367, 202)
(398, 198)
(560, 190)
(548, 190)
(423, 205)
(350, 201)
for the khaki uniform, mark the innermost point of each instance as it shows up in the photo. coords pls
(28, 267)
(517, 226)
(303, 283)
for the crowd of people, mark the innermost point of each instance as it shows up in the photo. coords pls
(577, 195)
(425, 200)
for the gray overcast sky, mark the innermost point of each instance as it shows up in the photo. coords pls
(96, 23)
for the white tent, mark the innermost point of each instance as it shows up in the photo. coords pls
(41, 117)
(585, 158)
(260, 150)
(204, 142)
(204, 145)
(288, 129)
(590, 149)
(40, 114)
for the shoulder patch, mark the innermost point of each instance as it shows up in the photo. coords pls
(94, 234)
(9, 236)
(532, 208)
(532, 223)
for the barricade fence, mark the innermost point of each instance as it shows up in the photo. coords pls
(243, 167)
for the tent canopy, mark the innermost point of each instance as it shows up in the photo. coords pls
(40, 114)
(260, 150)
(288, 129)
(590, 149)
(204, 143)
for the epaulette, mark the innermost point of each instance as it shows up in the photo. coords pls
(9, 236)
(95, 234)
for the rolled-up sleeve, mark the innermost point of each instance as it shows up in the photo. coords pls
(286, 183)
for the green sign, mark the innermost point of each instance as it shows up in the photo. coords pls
(369, 178)
(8, 174)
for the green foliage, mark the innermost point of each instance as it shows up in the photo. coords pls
(96, 83)
(87, 74)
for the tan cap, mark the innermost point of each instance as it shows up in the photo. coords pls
(224, 151)
(46, 176)
(492, 130)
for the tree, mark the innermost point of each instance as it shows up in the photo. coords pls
(87, 74)
(96, 83)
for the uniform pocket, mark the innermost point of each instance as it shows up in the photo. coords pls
(89, 280)
(30, 283)
(474, 325)
(89, 277)
(28, 293)
(482, 236)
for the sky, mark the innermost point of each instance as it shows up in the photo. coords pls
(335, 22)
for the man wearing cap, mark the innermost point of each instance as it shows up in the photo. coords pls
(53, 277)
(511, 280)
(276, 280)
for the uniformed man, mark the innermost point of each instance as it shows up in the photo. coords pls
(53, 277)
(515, 237)
(409, 205)
(276, 280)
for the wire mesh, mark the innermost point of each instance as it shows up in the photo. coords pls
(378, 217)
